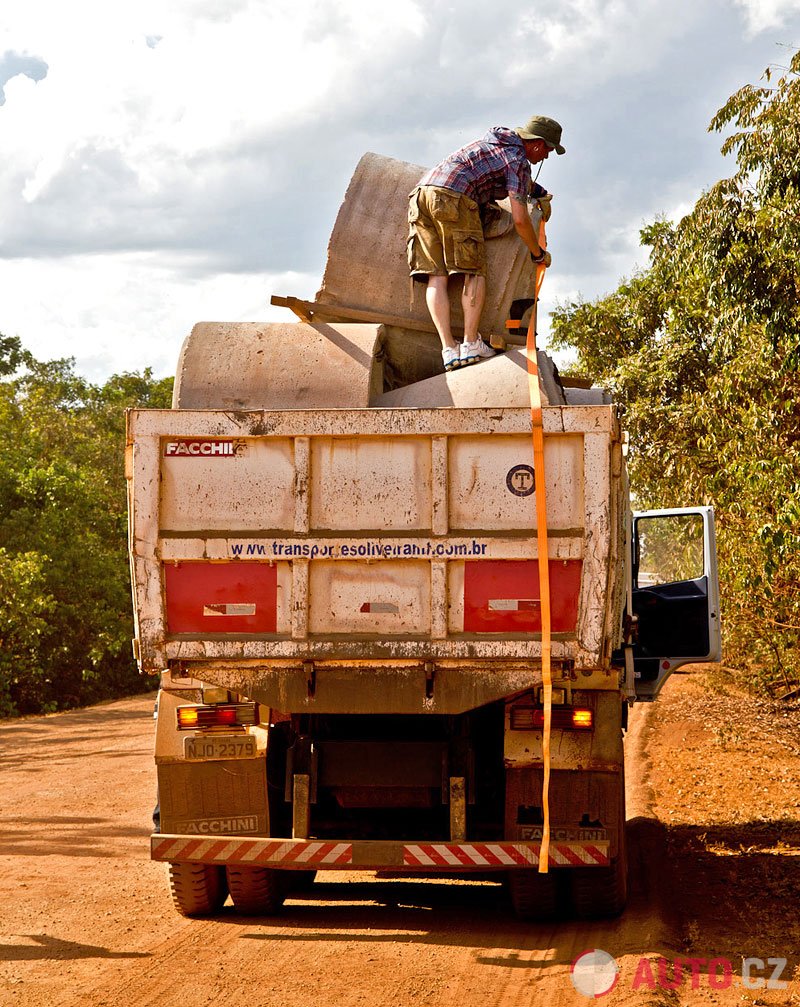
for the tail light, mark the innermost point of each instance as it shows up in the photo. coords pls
(531, 718)
(194, 718)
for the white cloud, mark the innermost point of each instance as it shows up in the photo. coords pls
(129, 311)
(763, 15)
(588, 42)
(178, 156)
(208, 84)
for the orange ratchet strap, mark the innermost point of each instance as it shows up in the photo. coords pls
(537, 431)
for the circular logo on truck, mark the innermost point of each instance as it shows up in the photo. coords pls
(521, 480)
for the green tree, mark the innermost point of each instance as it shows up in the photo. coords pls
(703, 349)
(65, 610)
(24, 613)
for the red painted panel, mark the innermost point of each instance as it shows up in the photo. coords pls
(502, 596)
(221, 597)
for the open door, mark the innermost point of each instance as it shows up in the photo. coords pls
(675, 594)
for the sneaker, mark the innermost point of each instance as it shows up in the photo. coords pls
(471, 353)
(451, 358)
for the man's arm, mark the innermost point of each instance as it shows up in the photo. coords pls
(523, 224)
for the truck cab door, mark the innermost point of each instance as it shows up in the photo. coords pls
(675, 594)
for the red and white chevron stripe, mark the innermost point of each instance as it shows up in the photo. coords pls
(416, 856)
(451, 855)
(278, 852)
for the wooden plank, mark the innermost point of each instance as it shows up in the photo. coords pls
(311, 311)
(300, 308)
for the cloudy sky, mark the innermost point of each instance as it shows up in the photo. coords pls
(167, 162)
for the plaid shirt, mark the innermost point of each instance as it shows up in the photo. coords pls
(488, 169)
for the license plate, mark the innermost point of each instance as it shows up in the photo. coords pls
(233, 746)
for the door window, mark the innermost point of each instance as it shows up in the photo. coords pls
(675, 594)
(670, 549)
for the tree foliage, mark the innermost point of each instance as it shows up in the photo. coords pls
(65, 609)
(703, 349)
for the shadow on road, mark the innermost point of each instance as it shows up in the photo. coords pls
(116, 711)
(737, 887)
(50, 948)
(67, 836)
(473, 914)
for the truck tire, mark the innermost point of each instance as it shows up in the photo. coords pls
(535, 896)
(601, 892)
(198, 889)
(256, 891)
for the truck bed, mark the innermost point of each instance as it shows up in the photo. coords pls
(269, 547)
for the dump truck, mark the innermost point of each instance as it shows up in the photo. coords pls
(335, 568)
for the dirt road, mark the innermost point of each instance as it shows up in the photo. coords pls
(87, 918)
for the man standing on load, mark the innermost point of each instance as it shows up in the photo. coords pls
(445, 230)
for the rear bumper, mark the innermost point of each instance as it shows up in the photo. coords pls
(308, 854)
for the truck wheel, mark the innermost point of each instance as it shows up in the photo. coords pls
(256, 891)
(599, 892)
(533, 895)
(198, 889)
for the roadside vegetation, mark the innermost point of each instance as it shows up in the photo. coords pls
(702, 347)
(65, 610)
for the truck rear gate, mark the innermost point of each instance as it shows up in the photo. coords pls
(386, 538)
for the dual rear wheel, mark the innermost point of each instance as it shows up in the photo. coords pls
(599, 892)
(198, 889)
(590, 893)
(201, 889)
(256, 891)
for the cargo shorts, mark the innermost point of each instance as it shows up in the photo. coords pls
(445, 235)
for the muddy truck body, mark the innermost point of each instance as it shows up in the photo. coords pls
(335, 575)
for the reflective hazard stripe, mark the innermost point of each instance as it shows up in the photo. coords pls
(255, 851)
(598, 856)
(419, 856)
(561, 854)
(510, 855)
(250, 851)
(416, 855)
(502, 855)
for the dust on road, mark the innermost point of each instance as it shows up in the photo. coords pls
(87, 918)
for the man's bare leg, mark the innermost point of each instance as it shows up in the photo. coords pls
(439, 307)
(474, 291)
